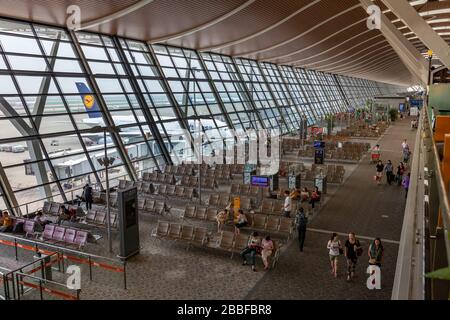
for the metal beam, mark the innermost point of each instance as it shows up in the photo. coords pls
(115, 15)
(315, 43)
(241, 84)
(411, 57)
(316, 26)
(204, 25)
(275, 101)
(420, 27)
(256, 34)
(8, 193)
(109, 122)
(215, 92)
(298, 62)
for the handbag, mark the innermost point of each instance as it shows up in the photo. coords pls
(359, 251)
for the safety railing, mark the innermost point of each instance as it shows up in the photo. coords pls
(4, 294)
(425, 242)
(26, 283)
(38, 265)
(409, 273)
(67, 255)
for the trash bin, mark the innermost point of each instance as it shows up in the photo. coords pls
(47, 271)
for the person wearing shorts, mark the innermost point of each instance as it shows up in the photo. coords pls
(334, 250)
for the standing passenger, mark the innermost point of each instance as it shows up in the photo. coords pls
(334, 250)
(287, 204)
(87, 191)
(405, 183)
(380, 168)
(389, 172)
(352, 250)
(302, 221)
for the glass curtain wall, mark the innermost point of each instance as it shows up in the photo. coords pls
(61, 92)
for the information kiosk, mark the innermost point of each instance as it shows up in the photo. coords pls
(128, 223)
(319, 152)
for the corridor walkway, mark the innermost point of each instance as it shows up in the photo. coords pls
(361, 206)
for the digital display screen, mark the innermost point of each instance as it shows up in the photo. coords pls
(130, 213)
(260, 181)
(319, 144)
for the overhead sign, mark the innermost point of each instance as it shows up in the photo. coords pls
(416, 103)
(260, 181)
(316, 130)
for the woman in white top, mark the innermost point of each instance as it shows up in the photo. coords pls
(334, 246)
(267, 249)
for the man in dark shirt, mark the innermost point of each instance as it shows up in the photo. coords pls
(380, 168)
(352, 251)
(302, 221)
(87, 192)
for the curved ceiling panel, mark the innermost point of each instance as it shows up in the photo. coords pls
(328, 35)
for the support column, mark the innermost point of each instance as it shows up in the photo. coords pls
(143, 105)
(8, 194)
(215, 92)
(249, 95)
(283, 119)
(410, 56)
(403, 10)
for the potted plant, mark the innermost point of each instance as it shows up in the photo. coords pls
(393, 114)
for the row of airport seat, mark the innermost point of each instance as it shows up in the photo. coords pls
(52, 232)
(180, 170)
(192, 181)
(166, 190)
(199, 213)
(268, 206)
(157, 177)
(248, 190)
(263, 222)
(200, 236)
(222, 200)
(63, 235)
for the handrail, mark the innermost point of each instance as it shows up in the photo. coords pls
(87, 257)
(21, 276)
(404, 272)
(35, 242)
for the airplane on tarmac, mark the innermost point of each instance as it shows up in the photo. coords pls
(173, 129)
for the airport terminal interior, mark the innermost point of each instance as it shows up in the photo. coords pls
(224, 150)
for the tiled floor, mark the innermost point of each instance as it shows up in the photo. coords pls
(361, 206)
(166, 270)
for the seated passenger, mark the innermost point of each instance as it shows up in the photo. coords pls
(315, 197)
(253, 248)
(304, 195)
(6, 222)
(222, 217)
(296, 194)
(63, 214)
(39, 218)
(267, 249)
(241, 221)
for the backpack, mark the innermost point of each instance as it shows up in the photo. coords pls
(18, 228)
(301, 220)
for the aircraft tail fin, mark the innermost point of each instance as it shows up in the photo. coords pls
(89, 101)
